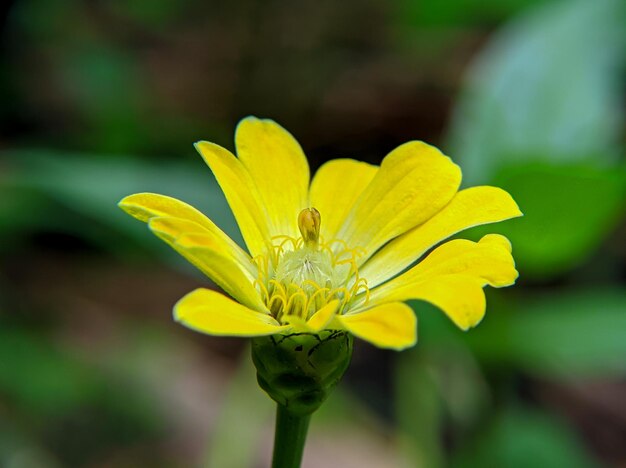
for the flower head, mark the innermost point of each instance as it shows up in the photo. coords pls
(340, 252)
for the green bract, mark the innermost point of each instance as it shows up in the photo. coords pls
(299, 371)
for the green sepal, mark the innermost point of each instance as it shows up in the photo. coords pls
(299, 371)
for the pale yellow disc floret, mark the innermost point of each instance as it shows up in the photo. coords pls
(300, 276)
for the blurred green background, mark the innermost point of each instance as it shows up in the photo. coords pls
(101, 99)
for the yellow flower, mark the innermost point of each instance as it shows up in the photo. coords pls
(335, 252)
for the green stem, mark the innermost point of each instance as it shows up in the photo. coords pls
(289, 438)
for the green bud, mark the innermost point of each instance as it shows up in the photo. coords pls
(299, 371)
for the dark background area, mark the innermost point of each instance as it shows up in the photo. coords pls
(100, 99)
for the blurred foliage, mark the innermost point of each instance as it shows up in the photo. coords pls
(546, 87)
(554, 237)
(541, 116)
(76, 193)
(542, 109)
(76, 413)
(420, 410)
(519, 436)
(99, 96)
(575, 334)
(459, 12)
(234, 444)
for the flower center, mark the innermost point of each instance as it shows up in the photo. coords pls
(300, 276)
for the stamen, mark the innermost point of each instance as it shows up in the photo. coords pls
(297, 277)
(265, 293)
(309, 221)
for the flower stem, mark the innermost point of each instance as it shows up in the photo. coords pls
(289, 439)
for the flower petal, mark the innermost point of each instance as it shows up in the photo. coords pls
(487, 260)
(241, 193)
(452, 278)
(498, 239)
(297, 323)
(319, 321)
(460, 297)
(414, 182)
(212, 313)
(145, 206)
(323, 317)
(471, 207)
(276, 163)
(208, 256)
(335, 187)
(392, 325)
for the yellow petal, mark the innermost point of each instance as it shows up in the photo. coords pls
(335, 188)
(460, 297)
(174, 228)
(392, 325)
(498, 239)
(414, 182)
(241, 193)
(320, 320)
(276, 163)
(145, 206)
(488, 261)
(212, 313)
(471, 207)
(297, 323)
(201, 250)
(452, 278)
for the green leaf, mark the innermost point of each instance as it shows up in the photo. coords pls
(572, 334)
(568, 212)
(547, 84)
(457, 12)
(92, 185)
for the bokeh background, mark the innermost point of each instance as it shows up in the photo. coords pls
(100, 99)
